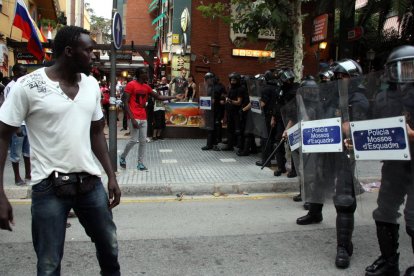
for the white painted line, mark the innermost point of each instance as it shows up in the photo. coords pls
(228, 160)
(165, 150)
(169, 161)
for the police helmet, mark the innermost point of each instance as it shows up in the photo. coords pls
(309, 89)
(269, 75)
(286, 75)
(326, 75)
(400, 65)
(235, 76)
(347, 67)
(209, 75)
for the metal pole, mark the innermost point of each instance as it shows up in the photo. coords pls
(112, 105)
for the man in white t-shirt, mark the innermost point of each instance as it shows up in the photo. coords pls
(19, 144)
(61, 107)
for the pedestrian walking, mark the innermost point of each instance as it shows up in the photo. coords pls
(136, 96)
(19, 144)
(61, 106)
(159, 110)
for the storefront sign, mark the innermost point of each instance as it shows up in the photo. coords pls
(253, 53)
(320, 28)
(25, 56)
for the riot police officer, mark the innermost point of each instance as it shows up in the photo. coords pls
(217, 92)
(285, 94)
(334, 171)
(267, 101)
(397, 176)
(233, 107)
(247, 141)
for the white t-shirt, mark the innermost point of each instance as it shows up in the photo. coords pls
(58, 127)
(7, 90)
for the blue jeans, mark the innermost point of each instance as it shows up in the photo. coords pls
(137, 135)
(19, 145)
(49, 215)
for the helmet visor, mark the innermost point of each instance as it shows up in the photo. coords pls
(401, 71)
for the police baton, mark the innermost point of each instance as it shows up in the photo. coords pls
(268, 139)
(274, 151)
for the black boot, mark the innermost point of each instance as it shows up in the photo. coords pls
(388, 262)
(314, 215)
(344, 229)
(410, 270)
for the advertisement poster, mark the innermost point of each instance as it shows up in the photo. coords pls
(182, 114)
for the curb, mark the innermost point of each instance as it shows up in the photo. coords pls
(281, 186)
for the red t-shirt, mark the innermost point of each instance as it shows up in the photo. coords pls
(138, 98)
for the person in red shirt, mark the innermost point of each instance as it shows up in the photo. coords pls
(136, 96)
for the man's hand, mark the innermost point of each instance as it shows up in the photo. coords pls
(179, 97)
(285, 134)
(348, 144)
(114, 192)
(6, 213)
(410, 133)
(273, 122)
(134, 124)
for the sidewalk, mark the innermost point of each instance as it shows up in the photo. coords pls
(180, 166)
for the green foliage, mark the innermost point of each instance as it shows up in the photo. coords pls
(250, 17)
(101, 25)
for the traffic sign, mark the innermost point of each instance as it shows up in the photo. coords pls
(117, 30)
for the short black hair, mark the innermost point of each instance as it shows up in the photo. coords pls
(17, 67)
(140, 71)
(67, 36)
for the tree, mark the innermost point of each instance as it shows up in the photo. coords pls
(250, 17)
(100, 26)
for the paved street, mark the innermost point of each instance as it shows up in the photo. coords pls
(243, 235)
(179, 165)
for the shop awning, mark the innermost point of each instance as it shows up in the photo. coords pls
(158, 18)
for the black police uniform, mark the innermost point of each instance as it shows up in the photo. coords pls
(233, 115)
(217, 92)
(396, 184)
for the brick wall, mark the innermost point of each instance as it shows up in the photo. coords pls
(206, 31)
(138, 23)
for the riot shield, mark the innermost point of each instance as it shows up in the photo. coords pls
(326, 168)
(380, 143)
(206, 106)
(256, 122)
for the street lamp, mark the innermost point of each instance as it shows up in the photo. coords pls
(370, 58)
(321, 47)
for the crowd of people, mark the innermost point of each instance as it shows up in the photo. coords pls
(263, 107)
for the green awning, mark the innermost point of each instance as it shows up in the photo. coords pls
(159, 26)
(158, 18)
(157, 35)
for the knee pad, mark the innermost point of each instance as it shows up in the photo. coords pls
(345, 203)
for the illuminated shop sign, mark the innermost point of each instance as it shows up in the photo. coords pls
(253, 53)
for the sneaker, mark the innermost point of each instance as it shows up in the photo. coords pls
(149, 140)
(122, 162)
(141, 167)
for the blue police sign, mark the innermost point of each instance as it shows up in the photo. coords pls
(381, 139)
(117, 30)
(322, 135)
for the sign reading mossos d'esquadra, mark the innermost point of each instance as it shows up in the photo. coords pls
(294, 137)
(381, 139)
(205, 103)
(322, 135)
